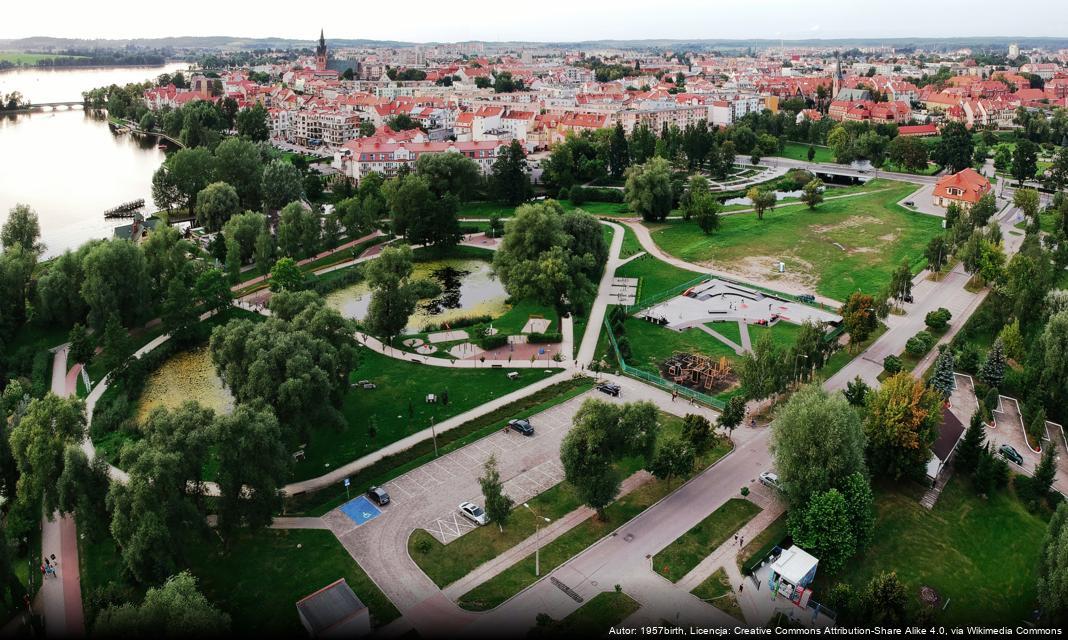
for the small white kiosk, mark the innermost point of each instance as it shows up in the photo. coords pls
(791, 574)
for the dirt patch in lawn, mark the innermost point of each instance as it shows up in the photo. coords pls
(799, 274)
(849, 223)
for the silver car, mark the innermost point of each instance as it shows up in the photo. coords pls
(771, 479)
(474, 513)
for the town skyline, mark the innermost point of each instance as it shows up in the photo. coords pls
(627, 20)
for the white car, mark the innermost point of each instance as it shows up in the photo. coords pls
(770, 479)
(474, 513)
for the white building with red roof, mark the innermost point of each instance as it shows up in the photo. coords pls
(964, 188)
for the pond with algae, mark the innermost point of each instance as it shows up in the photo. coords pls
(185, 376)
(468, 288)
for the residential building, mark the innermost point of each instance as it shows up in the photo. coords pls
(964, 188)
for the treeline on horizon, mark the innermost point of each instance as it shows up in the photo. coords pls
(98, 58)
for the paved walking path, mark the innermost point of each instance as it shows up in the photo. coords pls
(286, 522)
(588, 348)
(301, 263)
(59, 599)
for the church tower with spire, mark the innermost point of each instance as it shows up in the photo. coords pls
(320, 53)
(836, 85)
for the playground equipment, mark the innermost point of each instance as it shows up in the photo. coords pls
(696, 370)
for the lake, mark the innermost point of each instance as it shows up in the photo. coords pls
(468, 289)
(68, 165)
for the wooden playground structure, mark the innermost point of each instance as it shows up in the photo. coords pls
(700, 372)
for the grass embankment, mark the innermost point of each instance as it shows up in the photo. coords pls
(688, 550)
(593, 619)
(717, 591)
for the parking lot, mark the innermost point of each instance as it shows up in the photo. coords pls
(428, 497)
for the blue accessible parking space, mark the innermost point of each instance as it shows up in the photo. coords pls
(360, 510)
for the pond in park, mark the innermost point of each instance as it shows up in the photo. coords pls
(189, 375)
(468, 288)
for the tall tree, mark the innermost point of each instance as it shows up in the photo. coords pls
(253, 466)
(1053, 568)
(253, 123)
(1024, 161)
(116, 283)
(37, 445)
(762, 200)
(216, 203)
(823, 528)
(943, 379)
(22, 229)
(393, 295)
(648, 189)
(176, 609)
(618, 152)
(972, 446)
(510, 178)
(817, 442)
(812, 194)
(421, 215)
(238, 163)
(955, 147)
(902, 422)
(498, 504)
(280, 185)
(449, 174)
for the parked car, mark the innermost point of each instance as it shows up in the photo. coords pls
(378, 496)
(907, 298)
(609, 388)
(910, 203)
(521, 426)
(474, 513)
(366, 384)
(771, 479)
(1011, 454)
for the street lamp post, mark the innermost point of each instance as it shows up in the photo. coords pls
(434, 435)
(796, 360)
(537, 539)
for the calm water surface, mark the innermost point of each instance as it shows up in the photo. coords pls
(68, 165)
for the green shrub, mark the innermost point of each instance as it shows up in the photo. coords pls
(892, 364)
(916, 347)
(542, 338)
(488, 342)
(938, 319)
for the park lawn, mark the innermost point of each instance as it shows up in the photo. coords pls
(655, 275)
(876, 235)
(257, 581)
(783, 334)
(651, 344)
(445, 564)
(513, 320)
(595, 618)
(608, 209)
(764, 542)
(1047, 222)
(631, 246)
(799, 151)
(265, 573)
(397, 408)
(521, 575)
(688, 550)
(717, 591)
(929, 170)
(484, 210)
(729, 330)
(979, 554)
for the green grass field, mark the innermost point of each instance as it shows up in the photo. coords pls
(257, 581)
(717, 591)
(729, 330)
(799, 151)
(844, 245)
(651, 344)
(980, 554)
(688, 550)
(594, 618)
(20, 58)
(397, 408)
(655, 276)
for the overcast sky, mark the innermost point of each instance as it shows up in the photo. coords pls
(543, 20)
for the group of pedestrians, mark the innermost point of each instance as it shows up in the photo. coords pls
(49, 566)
